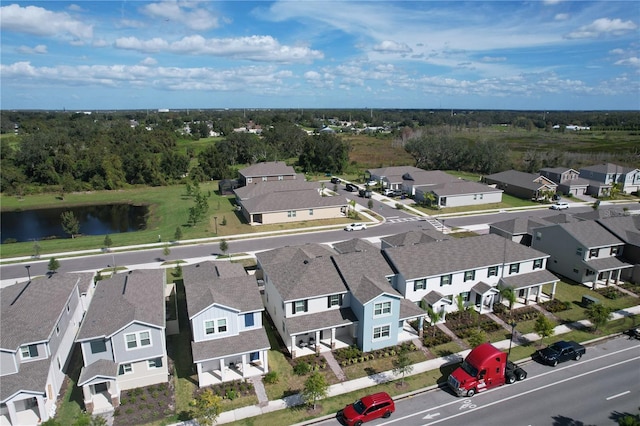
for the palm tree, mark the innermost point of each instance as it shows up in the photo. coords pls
(434, 317)
(510, 295)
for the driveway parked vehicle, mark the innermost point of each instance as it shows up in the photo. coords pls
(335, 180)
(355, 227)
(368, 408)
(560, 352)
(351, 187)
(560, 205)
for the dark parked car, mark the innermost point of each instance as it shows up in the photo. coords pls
(351, 187)
(335, 180)
(368, 408)
(560, 352)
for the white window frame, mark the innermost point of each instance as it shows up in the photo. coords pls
(152, 364)
(379, 309)
(383, 332)
(27, 349)
(222, 323)
(446, 280)
(137, 340)
(216, 326)
(126, 369)
(420, 284)
(469, 275)
(209, 324)
(538, 264)
(492, 271)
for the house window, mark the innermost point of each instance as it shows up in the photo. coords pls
(465, 296)
(280, 177)
(538, 235)
(125, 369)
(291, 213)
(29, 351)
(615, 250)
(537, 264)
(265, 178)
(579, 251)
(98, 346)
(222, 325)
(133, 340)
(445, 280)
(299, 306)
(209, 327)
(382, 308)
(380, 333)
(335, 300)
(154, 363)
(594, 253)
(514, 268)
(249, 180)
(310, 212)
(248, 320)
(420, 284)
(493, 271)
(469, 275)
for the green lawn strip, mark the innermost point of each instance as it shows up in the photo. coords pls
(445, 349)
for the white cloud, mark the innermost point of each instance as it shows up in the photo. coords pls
(603, 26)
(42, 22)
(148, 61)
(388, 46)
(186, 13)
(633, 62)
(254, 48)
(561, 17)
(493, 59)
(39, 49)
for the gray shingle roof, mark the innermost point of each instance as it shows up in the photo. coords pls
(482, 288)
(608, 264)
(394, 171)
(462, 187)
(355, 245)
(600, 213)
(458, 254)
(320, 321)
(100, 368)
(531, 279)
(414, 237)
(519, 225)
(590, 234)
(433, 297)
(30, 311)
(245, 342)
(606, 168)
(627, 228)
(135, 296)
(293, 253)
(364, 274)
(32, 377)
(260, 188)
(291, 200)
(409, 310)
(560, 218)
(520, 179)
(272, 168)
(222, 283)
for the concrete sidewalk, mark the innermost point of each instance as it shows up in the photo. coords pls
(387, 376)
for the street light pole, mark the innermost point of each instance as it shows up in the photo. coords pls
(513, 327)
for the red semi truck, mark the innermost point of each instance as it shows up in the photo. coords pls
(484, 368)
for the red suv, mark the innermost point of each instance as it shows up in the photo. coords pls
(369, 408)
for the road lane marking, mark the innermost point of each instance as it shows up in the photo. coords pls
(615, 396)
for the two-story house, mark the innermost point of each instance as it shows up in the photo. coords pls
(265, 172)
(627, 228)
(568, 180)
(472, 268)
(583, 251)
(225, 311)
(602, 177)
(123, 337)
(40, 319)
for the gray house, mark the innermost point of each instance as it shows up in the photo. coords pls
(410, 238)
(568, 180)
(583, 251)
(225, 311)
(265, 172)
(601, 178)
(627, 228)
(123, 337)
(519, 229)
(528, 186)
(40, 319)
(457, 193)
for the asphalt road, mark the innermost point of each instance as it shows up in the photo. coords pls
(397, 221)
(596, 390)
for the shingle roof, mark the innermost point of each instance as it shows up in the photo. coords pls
(519, 225)
(409, 310)
(415, 237)
(364, 274)
(355, 245)
(247, 341)
(458, 254)
(627, 228)
(608, 264)
(530, 279)
(319, 321)
(100, 368)
(607, 168)
(481, 288)
(560, 218)
(209, 283)
(394, 171)
(30, 311)
(462, 187)
(272, 168)
(260, 188)
(600, 213)
(31, 378)
(433, 297)
(429, 177)
(590, 234)
(520, 179)
(293, 253)
(118, 301)
(291, 200)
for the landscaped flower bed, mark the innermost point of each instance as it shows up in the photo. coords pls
(433, 336)
(525, 313)
(556, 305)
(464, 323)
(144, 405)
(609, 292)
(307, 364)
(634, 288)
(353, 355)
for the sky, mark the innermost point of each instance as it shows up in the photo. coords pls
(530, 55)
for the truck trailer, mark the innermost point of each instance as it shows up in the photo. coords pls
(484, 368)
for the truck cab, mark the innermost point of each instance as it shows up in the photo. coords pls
(484, 368)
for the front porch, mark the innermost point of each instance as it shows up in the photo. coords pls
(306, 344)
(230, 373)
(23, 417)
(607, 271)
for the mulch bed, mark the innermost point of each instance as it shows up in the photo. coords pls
(144, 405)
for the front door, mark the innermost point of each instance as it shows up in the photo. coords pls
(100, 387)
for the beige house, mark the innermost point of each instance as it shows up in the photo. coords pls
(266, 172)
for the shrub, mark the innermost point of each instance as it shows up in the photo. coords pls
(231, 394)
(271, 377)
(556, 305)
(301, 368)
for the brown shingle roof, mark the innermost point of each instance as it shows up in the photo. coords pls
(272, 168)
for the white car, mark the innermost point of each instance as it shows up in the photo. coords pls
(560, 205)
(355, 227)
(372, 183)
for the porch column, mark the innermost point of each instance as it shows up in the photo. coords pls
(333, 338)
(618, 274)
(317, 340)
(293, 345)
(421, 327)
(538, 294)
(481, 303)
(244, 365)
(13, 416)
(114, 393)
(42, 411)
(526, 296)
(265, 362)
(553, 290)
(223, 368)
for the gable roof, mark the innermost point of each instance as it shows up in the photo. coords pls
(135, 296)
(260, 188)
(458, 254)
(409, 238)
(272, 168)
(32, 379)
(364, 274)
(355, 245)
(590, 234)
(607, 168)
(394, 171)
(560, 218)
(100, 368)
(221, 283)
(627, 228)
(519, 225)
(530, 181)
(30, 310)
(461, 187)
(291, 200)
(293, 253)
(600, 213)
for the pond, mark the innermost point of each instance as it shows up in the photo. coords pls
(41, 224)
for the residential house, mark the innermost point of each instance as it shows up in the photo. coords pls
(528, 186)
(583, 251)
(288, 201)
(225, 311)
(410, 238)
(407, 178)
(602, 177)
(266, 172)
(519, 229)
(627, 229)
(123, 337)
(473, 268)
(355, 245)
(40, 319)
(568, 180)
(457, 193)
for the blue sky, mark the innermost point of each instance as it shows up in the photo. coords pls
(533, 55)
